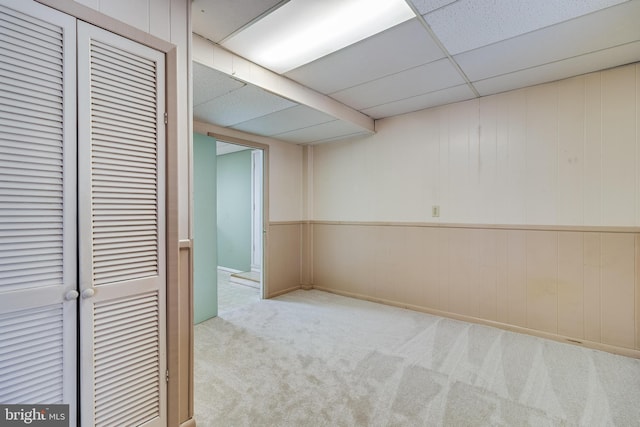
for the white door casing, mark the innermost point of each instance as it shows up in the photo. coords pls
(121, 170)
(257, 225)
(38, 270)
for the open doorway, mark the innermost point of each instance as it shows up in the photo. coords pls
(240, 224)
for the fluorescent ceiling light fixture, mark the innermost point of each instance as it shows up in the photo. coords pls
(304, 30)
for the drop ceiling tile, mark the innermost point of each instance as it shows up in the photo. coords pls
(330, 131)
(420, 102)
(600, 60)
(240, 106)
(209, 84)
(426, 6)
(416, 81)
(217, 19)
(399, 48)
(611, 27)
(298, 117)
(482, 22)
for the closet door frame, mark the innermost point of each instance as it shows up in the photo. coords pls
(64, 293)
(121, 212)
(179, 331)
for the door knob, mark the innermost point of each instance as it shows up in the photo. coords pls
(88, 293)
(71, 295)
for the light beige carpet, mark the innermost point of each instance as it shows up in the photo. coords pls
(310, 358)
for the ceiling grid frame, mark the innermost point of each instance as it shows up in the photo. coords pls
(567, 32)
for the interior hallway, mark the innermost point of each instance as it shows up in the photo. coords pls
(232, 296)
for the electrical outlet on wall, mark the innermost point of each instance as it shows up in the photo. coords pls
(435, 211)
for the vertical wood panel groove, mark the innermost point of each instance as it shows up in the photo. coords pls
(637, 290)
(599, 288)
(584, 145)
(601, 165)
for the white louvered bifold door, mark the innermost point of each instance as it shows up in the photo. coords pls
(121, 144)
(38, 264)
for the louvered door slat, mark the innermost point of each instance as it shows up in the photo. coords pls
(123, 106)
(127, 92)
(16, 370)
(124, 60)
(30, 255)
(115, 135)
(112, 377)
(115, 188)
(20, 101)
(25, 113)
(122, 73)
(18, 267)
(134, 413)
(14, 84)
(46, 42)
(121, 156)
(53, 71)
(136, 385)
(30, 79)
(18, 366)
(12, 183)
(118, 356)
(34, 138)
(24, 154)
(14, 351)
(137, 73)
(130, 67)
(38, 328)
(22, 51)
(104, 90)
(24, 24)
(43, 393)
(44, 129)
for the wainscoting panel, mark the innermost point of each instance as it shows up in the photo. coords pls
(571, 283)
(591, 286)
(284, 240)
(542, 281)
(575, 283)
(618, 286)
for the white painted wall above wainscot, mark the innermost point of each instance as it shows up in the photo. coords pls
(562, 153)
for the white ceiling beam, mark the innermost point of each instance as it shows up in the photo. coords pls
(213, 55)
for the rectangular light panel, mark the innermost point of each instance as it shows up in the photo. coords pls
(301, 31)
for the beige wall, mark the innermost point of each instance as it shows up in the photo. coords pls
(564, 153)
(285, 182)
(284, 257)
(555, 166)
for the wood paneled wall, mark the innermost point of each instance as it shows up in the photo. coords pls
(573, 282)
(562, 153)
(284, 257)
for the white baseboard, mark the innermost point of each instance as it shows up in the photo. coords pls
(229, 270)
